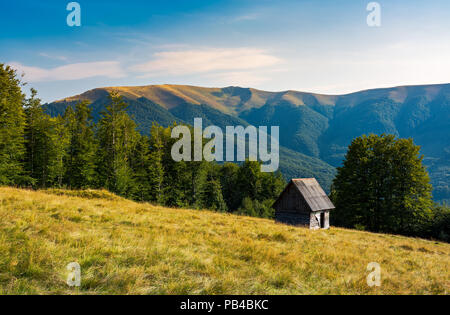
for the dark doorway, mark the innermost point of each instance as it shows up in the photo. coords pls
(322, 220)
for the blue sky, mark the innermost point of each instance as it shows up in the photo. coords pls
(321, 46)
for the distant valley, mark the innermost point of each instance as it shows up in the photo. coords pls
(315, 129)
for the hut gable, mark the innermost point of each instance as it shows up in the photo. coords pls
(303, 202)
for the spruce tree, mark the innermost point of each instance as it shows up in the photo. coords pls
(230, 188)
(155, 168)
(60, 143)
(177, 176)
(118, 136)
(38, 142)
(12, 126)
(139, 163)
(211, 196)
(80, 159)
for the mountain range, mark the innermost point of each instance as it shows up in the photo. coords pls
(315, 129)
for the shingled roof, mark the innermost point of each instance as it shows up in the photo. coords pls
(314, 195)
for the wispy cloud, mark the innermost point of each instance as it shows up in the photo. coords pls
(50, 56)
(75, 71)
(208, 60)
(246, 17)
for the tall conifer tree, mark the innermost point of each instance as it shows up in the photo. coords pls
(155, 167)
(12, 125)
(38, 142)
(118, 137)
(80, 166)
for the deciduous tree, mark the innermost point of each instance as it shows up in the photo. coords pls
(382, 186)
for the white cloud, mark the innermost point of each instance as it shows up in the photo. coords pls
(76, 71)
(208, 60)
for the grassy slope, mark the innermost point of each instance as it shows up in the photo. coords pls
(129, 248)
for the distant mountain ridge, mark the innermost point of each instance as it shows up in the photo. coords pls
(312, 125)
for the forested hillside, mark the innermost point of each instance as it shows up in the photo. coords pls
(292, 163)
(315, 130)
(73, 151)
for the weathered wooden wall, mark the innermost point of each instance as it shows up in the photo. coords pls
(292, 201)
(293, 218)
(303, 219)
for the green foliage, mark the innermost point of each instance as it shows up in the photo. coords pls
(292, 163)
(12, 126)
(46, 142)
(60, 143)
(257, 191)
(118, 140)
(228, 180)
(155, 168)
(315, 129)
(211, 196)
(439, 226)
(383, 187)
(142, 168)
(80, 160)
(257, 208)
(302, 125)
(142, 110)
(139, 163)
(210, 116)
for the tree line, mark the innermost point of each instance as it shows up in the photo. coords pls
(72, 151)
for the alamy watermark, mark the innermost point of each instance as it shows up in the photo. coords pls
(74, 277)
(374, 277)
(374, 17)
(235, 136)
(74, 17)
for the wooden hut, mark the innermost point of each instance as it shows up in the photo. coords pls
(303, 202)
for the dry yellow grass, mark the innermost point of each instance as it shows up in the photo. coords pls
(129, 248)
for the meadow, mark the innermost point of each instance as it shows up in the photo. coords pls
(125, 247)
